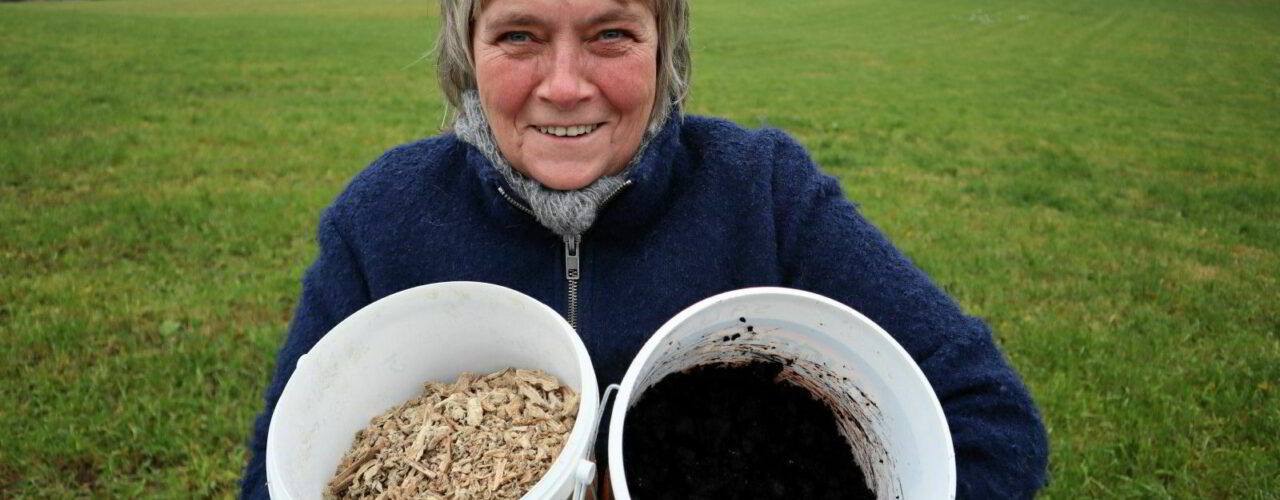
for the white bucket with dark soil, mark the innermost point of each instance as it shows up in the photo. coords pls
(380, 357)
(884, 406)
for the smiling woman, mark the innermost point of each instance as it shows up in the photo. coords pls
(572, 175)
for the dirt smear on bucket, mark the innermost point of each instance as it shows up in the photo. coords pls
(737, 431)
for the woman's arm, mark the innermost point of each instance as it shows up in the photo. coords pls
(828, 248)
(333, 288)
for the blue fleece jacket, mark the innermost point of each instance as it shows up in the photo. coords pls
(711, 207)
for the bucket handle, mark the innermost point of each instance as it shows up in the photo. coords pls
(586, 472)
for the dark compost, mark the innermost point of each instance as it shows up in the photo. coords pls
(734, 431)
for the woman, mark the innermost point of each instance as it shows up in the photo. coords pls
(573, 177)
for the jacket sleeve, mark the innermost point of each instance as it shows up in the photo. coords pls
(826, 247)
(333, 288)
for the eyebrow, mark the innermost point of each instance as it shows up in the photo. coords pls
(615, 15)
(522, 19)
(514, 19)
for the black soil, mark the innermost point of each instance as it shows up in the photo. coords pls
(725, 431)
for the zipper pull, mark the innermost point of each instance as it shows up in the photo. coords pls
(572, 270)
(571, 267)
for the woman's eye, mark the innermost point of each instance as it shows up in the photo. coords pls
(612, 34)
(516, 37)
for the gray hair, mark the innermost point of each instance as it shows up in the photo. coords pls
(456, 71)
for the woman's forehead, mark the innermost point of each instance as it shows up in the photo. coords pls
(481, 5)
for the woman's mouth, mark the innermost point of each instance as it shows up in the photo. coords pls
(569, 131)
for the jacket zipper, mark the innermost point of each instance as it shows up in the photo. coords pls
(572, 271)
(515, 203)
(572, 254)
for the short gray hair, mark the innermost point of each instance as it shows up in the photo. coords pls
(456, 71)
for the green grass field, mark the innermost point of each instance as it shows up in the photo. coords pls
(1099, 179)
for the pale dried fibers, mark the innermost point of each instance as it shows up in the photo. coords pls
(485, 437)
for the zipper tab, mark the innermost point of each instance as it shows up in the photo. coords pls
(572, 271)
(572, 268)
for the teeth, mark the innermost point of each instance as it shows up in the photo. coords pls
(572, 131)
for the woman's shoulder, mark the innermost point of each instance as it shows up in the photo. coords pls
(405, 169)
(718, 133)
(764, 162)
(424, 156)
(416, 161)
(752, 151)
(710, 129)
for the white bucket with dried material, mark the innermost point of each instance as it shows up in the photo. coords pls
(886, 407)
(380, 357)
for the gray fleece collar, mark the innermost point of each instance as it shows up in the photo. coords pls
(567, 213)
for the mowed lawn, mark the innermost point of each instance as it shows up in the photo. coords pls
(1099, 179)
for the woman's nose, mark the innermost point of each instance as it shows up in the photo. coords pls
(565, 84)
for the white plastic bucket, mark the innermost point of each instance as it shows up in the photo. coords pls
(887, 408)
(380, 357)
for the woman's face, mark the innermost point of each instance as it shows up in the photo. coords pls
(567, 85)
